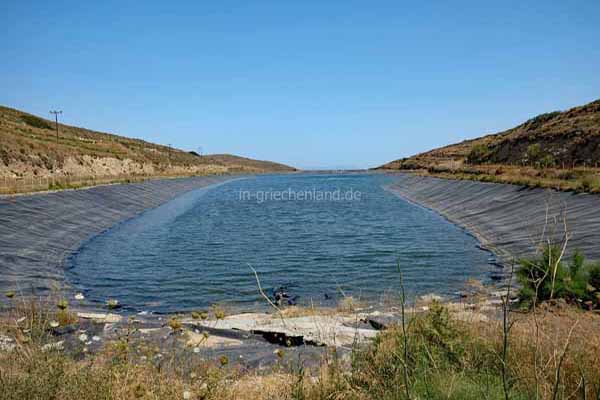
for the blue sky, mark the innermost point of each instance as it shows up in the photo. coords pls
(309, 83)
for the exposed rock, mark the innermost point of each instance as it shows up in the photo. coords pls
(146, 331)
(64, 330)
(502, 293)
(379, 320)
(377, 323)
(430, 298)
(329, 330)
(195, 340)
(56, 346)
(101, 317)
(6, 343)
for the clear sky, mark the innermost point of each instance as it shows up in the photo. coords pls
(308, 83)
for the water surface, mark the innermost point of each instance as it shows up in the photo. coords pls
(196, 250)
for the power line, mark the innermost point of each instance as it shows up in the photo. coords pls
(56, 120)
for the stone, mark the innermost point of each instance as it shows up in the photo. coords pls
(378, 320)
(56, 346)
(101, 317)
(147, 331)
(7, 344)
(502, 293)
(195, 340)
(64, 330)
(327, 330)
(430, 298)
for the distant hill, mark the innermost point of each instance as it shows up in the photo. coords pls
(29, 147)
(557, 139)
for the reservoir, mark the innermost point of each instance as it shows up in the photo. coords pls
(319, 236)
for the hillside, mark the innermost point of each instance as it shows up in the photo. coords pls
(30, 149)
(558, 149)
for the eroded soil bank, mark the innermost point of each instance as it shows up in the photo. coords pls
(510, 220)
(39, 231)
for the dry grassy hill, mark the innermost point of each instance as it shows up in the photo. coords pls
(30, 148)
(559, 149)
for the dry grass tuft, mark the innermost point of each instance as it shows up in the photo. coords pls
(445, 359)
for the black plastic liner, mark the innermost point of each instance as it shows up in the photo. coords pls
(510, 220)
(39, 231)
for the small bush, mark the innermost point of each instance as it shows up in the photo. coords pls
(440, 349)
(544, 278)
(588, 184)
(436, 169)
(478, 154)
(537, 121)
(35, 122)
(410, 165)
(546, 161)
(534, 152)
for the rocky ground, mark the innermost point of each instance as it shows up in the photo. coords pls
(247, 341)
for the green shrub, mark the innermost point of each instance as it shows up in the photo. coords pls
(478, 154)
(410, 165)
(35, 122)
(537, 121)
(437, 169)
(594, 276)
(543, 279)
(588, 184)
(440, 349)
(546, 161)
(534, 152)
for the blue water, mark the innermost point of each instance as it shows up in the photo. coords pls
(196, 250)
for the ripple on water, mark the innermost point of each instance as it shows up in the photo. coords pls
(195, 250)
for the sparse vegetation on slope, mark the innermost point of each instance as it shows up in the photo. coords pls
(559, 150)
(30, 148)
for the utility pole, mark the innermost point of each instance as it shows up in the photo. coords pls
(169, 154)
(56, 120)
